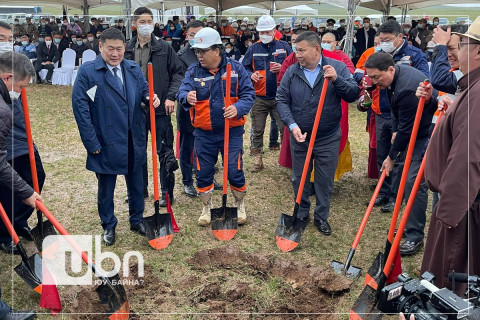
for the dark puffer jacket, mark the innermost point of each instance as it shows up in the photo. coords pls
(8, 176)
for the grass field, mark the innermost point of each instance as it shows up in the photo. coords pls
(175, 282)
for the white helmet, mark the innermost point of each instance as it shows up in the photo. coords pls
(205, 38)
(265, 23)
(230, 19)
(245, 19)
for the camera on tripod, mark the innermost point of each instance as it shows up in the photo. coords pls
(425, 300)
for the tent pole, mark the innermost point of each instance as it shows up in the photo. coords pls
(128, 15)
(272, 8)
(404, 13)
(348, 44)
(219, 11)
(86, 23)
(163, 12)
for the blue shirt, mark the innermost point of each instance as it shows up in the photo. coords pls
(311, 77)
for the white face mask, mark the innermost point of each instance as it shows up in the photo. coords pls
(228, 50)
(366, 25)
(145, 29)
(266, 39)
(6, 47)
(387, 46)
(48, 43)
(14, 95)
(90, 39)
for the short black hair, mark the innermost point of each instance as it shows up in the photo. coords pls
(49, 36)
(380, 60)
(141, 10)
(195, 24)
(175, 18)
(436, 18)
(311, 37)
(392, 18)
(90, 32)
(111, 34)
(5, 25)
(299, 31)
(391, 26)
(331, 20)
(16, 63)
(366, 18)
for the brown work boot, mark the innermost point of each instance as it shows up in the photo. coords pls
(205, 218)
(257, 161)
(240, 203)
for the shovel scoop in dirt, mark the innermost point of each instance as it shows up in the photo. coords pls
(158, 227)
(225, 219)
(290, 229)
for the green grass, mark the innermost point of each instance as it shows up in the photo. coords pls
(70, 193)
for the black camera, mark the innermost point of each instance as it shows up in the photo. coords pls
(422, 298)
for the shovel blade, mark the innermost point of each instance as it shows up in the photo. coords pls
(364, 307)
(352, 272)
(287, 236)
(31, 273)
(159, 230)
(224, 222)
(38, 237)
(112, 292)
(375, 270)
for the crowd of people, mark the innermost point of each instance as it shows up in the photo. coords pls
(276, 71)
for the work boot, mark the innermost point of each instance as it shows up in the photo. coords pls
(240, 203)
(257, 162)
(205, 218)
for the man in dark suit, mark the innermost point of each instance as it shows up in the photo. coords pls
(47, 55)
(106, 101)
(365, 37)
(92, 43)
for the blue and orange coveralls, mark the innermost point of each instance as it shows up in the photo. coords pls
(207, 118)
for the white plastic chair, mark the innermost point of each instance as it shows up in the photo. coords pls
(87, 55)
(63, 76)
(43, 72)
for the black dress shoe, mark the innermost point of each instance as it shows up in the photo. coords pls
(408, 248)
(388, 207)
(190, 191)
(216, 185)
(9, 247)
(138, 228)
(404, 234)
(25, 233)
(20, 315)
(109, 236)
(380, 201)
(323, 227)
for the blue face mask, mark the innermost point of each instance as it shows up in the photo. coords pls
(327, 46)
(378, 49)
(24, 43)
(79, 43)
(294, 48)
(191, 42)
(224, 24)
(420, 26)
(57, 40)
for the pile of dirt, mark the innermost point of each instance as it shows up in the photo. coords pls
(306, 289)
(83, 300)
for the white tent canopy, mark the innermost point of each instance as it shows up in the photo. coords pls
(247, 10)
(298, 10)
(70, 3)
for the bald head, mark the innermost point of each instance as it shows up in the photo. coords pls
(328, 41)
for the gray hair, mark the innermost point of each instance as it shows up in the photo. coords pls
(330, 35)
(16, 63)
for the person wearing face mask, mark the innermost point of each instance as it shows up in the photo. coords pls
(341, 31)
(15, 73)
(434, 24)
(287, 32)
(61, 43)
(364, 37)
(226, 30)
(73, 27)
(330, 27)
(92, 43)
(167, 76)
(175, 35)
(44, 28)
(27, 48)
(421, 35)
(79, 47)
(121, 27)
(95, 26)
(406, 27)
(231, 52)
(263, 60)
(47, 56)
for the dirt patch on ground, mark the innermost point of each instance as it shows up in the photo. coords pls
(299, 288)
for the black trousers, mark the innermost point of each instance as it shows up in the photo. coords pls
(17, 211)
(49, 67)
(186, 153)
(164, 131)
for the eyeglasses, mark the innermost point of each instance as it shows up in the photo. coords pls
(201, 52)
(460, 44)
